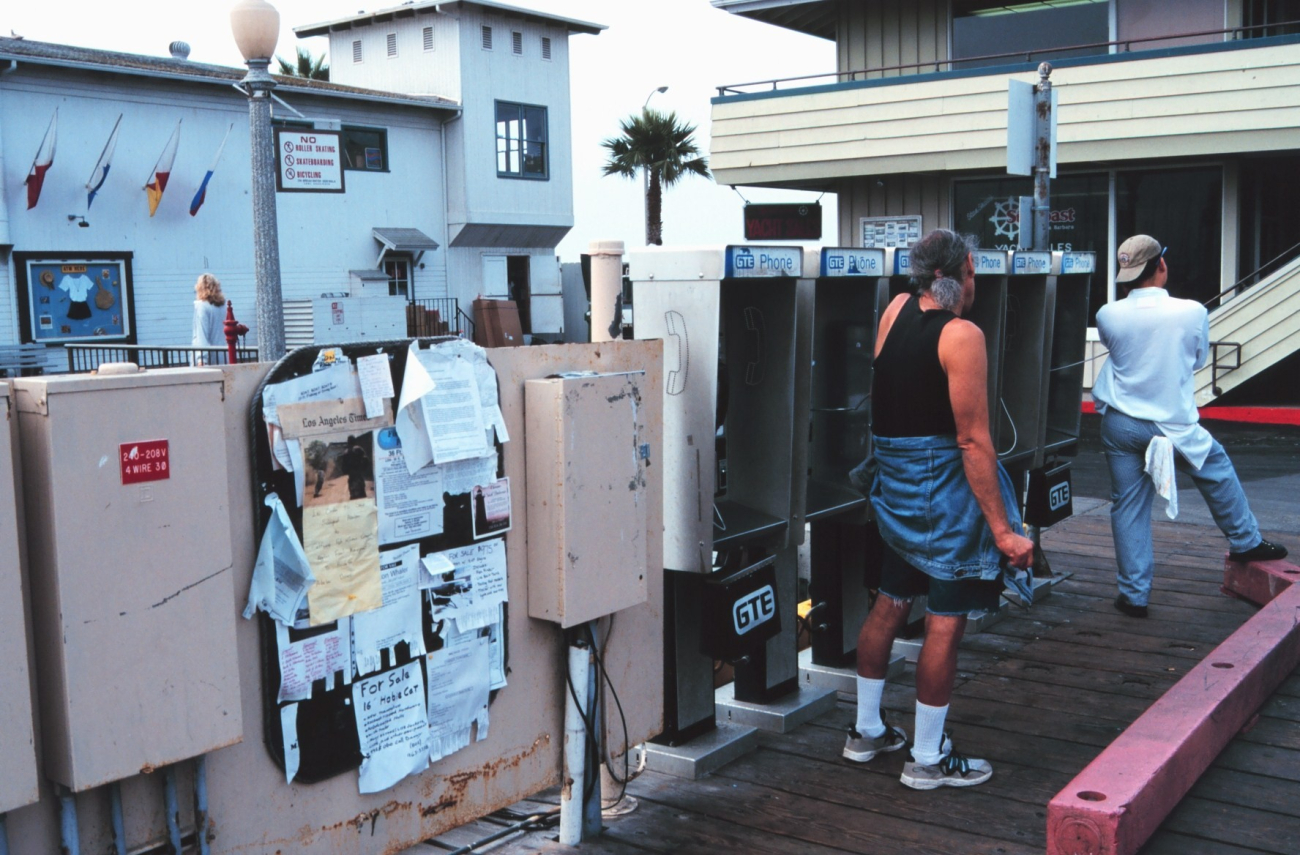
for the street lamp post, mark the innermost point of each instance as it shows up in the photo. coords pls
(645, 170)
(256, 28)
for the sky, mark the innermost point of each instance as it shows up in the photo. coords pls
(686, 45)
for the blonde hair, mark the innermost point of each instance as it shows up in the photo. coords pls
(208, 289)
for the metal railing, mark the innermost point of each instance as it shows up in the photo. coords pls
(435, 316)
(1217, 370)
(937, 65)
(88, 357)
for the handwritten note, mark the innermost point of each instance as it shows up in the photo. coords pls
(398, 619)
(342, 543)
(317, 657)
(392, 726)
(472, 592)
(376, 382)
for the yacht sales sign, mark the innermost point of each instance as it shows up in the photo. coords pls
(308, 161)
(754, 262)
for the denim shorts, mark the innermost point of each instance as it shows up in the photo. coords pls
(951, 597)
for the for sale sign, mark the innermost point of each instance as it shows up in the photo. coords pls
(149, 460)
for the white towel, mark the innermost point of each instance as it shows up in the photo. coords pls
(1160, 466)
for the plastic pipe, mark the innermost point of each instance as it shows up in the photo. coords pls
(68, 822)
(575, 747)
(173, 808)
(201, 803)
(119, 825)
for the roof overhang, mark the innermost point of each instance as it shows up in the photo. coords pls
(406, 241)
(412, 9)
(813, 17)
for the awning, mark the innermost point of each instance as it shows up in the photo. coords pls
(407, 241)
(375, 275)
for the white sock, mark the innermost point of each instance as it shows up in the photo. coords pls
(926, 748)
(869, 695)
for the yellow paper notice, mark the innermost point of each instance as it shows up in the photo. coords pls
(342, 543)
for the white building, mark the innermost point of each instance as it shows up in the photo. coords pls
(419, 209)
(1175, 119)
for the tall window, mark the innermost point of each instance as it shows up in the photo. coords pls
(1183, 209)
(521, 141)
(1043, 27)
(399, 276)
(1274, 17)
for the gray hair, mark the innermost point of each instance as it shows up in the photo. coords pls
(944, 251)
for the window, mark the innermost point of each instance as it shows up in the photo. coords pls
(487, 38)
(987, 208)
(428, 38)
(546, 48)
(1272, 17)
(1044, 27)
(521, 141)
(1183, 209)
(517, 43)
(356, 51)
(365, 149)
(392, 44)
(399, 276)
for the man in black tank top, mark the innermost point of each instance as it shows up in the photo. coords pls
(944, 506)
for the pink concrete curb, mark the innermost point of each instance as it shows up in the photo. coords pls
(1259, 581)
(1119, 800)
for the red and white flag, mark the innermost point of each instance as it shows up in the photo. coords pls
(162, 170)
(44, 160)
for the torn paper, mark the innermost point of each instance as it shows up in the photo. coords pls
(342, 543)
(410, 504)
(392, 726)
(497, 652)
(289, 729)
(458, 690)
(398, 619)
(376, 381)
(449, 402)
(471, 592)
(282, 574)
(318, 656)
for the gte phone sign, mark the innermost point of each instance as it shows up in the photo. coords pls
(148, 460)
(754, 609)
(1058, 496)
(745, 262)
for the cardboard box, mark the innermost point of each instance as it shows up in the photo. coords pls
(496, 323)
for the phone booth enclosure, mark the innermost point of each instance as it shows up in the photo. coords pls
(19, 781)
(130, 569)
(1019, 414)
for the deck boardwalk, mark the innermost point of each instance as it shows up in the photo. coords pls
(1039, 695)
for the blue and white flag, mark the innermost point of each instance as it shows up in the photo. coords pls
(202, 193)
(100, 171)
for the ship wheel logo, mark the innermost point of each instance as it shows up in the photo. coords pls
(1006, 220)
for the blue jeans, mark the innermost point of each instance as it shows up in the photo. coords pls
(1132, 493)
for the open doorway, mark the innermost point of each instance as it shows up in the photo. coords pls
(517, 270)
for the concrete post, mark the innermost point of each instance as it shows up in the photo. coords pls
(606, 289)
(258, 84)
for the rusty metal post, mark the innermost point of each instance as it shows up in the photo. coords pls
(201, 804)
(1043, 121)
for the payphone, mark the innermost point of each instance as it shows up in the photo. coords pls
(736, 324)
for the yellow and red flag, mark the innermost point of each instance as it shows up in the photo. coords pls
(162, 171)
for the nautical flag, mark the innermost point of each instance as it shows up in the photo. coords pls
(200, 196)
(162, 170)
(44, 160)
(100, 171)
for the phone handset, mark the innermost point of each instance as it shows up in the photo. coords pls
(754, 365)
(676, 325)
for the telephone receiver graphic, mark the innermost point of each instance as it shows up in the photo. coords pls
(754, 365)
(678, 352)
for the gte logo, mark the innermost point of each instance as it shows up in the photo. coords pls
(754, 609)
(1059, 496)
(744, 260)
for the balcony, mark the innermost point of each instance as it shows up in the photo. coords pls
(1203, 100)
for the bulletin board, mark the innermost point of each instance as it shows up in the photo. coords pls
(337, 683)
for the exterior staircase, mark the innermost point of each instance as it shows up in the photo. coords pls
(1264, 320)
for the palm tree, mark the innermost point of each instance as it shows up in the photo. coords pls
(312, 68)
(661, 146)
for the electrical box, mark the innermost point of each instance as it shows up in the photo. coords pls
(19, 783)
(337, 319)
(587, 454)
(129, 543)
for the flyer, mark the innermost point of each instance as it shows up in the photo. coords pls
(458, 691)
(391, 726)
(398, 619)
(282, 574)
(318, 656)
(410, 503)
(471, 592)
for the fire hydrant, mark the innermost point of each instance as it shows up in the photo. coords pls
(234, 329)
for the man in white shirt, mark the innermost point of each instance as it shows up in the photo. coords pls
(1144, 392)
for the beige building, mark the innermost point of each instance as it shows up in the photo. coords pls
(1181, 120)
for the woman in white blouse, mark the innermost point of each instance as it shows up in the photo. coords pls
(209, 315)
